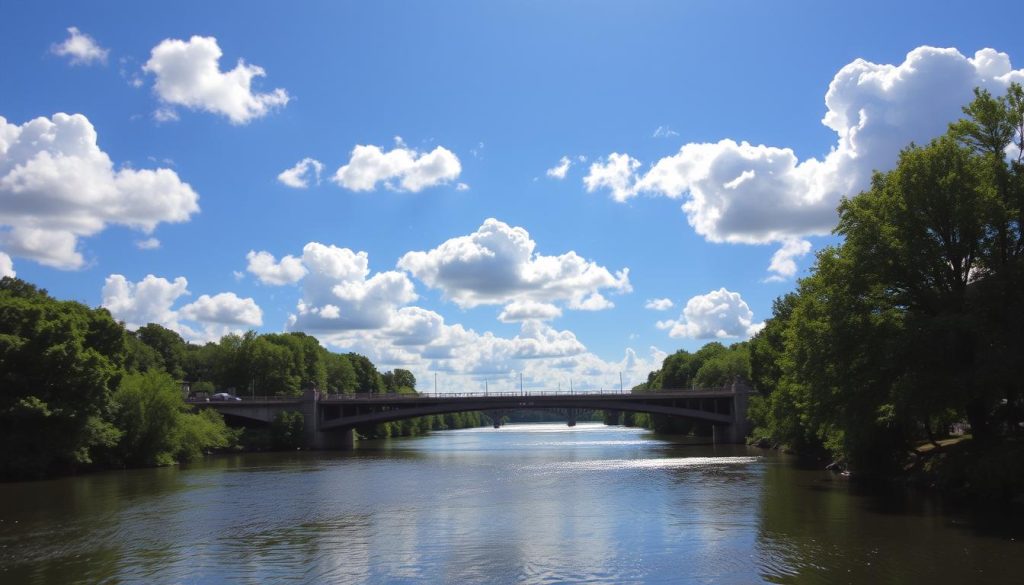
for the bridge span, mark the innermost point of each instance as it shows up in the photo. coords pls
(329, 419)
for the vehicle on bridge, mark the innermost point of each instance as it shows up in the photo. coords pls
(224, 396)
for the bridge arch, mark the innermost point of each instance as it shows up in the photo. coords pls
(344, 420)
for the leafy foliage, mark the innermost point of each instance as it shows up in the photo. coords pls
(915, 320)
(59, 363)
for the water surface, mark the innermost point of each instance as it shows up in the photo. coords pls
(524, 504)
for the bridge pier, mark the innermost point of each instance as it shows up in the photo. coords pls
(313, 435)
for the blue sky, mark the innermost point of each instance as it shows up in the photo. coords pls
(698, 162)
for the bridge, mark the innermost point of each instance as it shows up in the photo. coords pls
(329, 419)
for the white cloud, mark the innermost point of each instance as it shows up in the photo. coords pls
(401, 168)
(298, 177)
(658, 304)
(349, 308)
(744, 193)
(81, 48)
(664, 132)
(462, 187)
(165, 114)
(269, 271)
(147, 301)
(559, 171)
(6, 266)
(152, 299)
(339, 295)
(595, 301)
(783, 260)
(225, 309)
(547, 358)
(617, 174)
(718, 314)
(147, 244)
(498, 264)
(56, 185)
(188, 74)
(525, 310)
(419, 336)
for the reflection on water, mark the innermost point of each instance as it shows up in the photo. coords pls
(537, 503)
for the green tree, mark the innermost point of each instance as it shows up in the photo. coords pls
(286, 430)
(168, 344)
(341, 376)
(917, 316)
(157, 426)
(59, 363)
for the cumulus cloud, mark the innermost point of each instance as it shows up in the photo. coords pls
(188, 74)
(617, 173)
(224, 309)
(718, 314)
(658, 304)
(147, 244)
(269, 271)
(783, 260)
(56, 186)
(547, 358)
(498, 264)
(298, 177)
(417, 336)
(350, 308)
(744, 193)
(558, 171)
(6, 266)
(401, 168)
(152, 299)
(525, 310)
(338, 293)
(81, 48)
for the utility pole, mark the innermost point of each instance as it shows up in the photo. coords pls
(521, 384)
(570, 386)
(620, 382)
(485, 386)
(435, 384)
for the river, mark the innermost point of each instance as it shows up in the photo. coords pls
(539, 503)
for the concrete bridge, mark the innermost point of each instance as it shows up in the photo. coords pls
(331, 418)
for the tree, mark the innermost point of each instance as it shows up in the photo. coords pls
(367, 377)
(286, 430)
(341, 376)
(158, 427)
(168, 344)
(917, 316)
(59, 363)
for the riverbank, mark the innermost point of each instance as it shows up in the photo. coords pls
(959, 469)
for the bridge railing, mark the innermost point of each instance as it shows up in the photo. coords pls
(244, 399)
(527, 393)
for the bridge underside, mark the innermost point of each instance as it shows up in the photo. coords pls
(347, 415)
(330, 420)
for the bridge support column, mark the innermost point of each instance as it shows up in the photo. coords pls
(740, 427)
(334, 440)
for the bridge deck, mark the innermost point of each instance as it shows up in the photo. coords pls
(505, 396)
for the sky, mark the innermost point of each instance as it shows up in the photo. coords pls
(565, 191)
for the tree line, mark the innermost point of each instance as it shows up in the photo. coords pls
(78, 390)
(712, 366)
